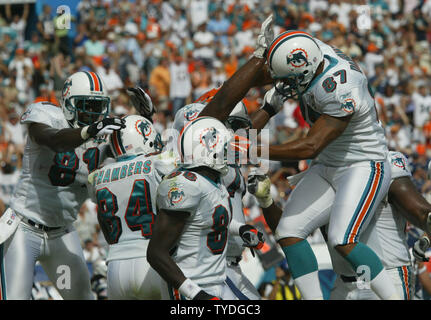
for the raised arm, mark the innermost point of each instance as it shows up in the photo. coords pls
(252, 74)
(61, 140)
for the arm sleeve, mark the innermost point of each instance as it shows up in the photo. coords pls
(399, 165)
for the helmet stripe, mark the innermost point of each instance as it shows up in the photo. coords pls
(282, 38)
(91, 80)
(117, 144)
(100, 81)
(96, 81)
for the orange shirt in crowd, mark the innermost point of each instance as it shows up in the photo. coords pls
(160, 80)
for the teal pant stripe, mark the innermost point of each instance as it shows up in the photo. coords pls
(361, 202)
(382, 174)
(300, 258)
(2, 275)
(362, 255)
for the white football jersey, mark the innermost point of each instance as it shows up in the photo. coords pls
(235, 184)
(201, 249)
(125, 193)
(52, 186)
(342, 90)
(386, 233)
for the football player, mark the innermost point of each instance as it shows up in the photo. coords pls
(234, 181)
(349, 149)
(385, 235)
(62, 147)
(188, 246)
(125, 193)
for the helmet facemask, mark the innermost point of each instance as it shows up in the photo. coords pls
(86, 110)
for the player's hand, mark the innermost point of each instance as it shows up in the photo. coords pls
(420, 247)
(273, 102)
(252, 237)
(259, 185)
(202, 295)
(102, 128)
(142, 102)
(264, 39)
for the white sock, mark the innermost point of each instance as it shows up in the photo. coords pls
(309, 286)
(383, 286)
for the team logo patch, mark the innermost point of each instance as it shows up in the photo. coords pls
(191, 115)
(298, 58)
(349, 105)
(144, 129)
(25, 115)
(209, 138)
(175, 195)
(399, 162)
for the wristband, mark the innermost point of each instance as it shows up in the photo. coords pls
(84, 133)
(265, 203)
(269, 109)
(189, 289)
(234, 227)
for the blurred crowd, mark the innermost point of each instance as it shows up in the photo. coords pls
(177, 50)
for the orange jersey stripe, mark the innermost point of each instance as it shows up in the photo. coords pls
(367, 204)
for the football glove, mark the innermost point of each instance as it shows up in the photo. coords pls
(252, 237)
(202, 295)
(264, 39)
(142, 102)
(420, 247)
(102, 128)
(259, 185)
(273, 102)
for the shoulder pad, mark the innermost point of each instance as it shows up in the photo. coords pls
(42, 112)
(179, 191)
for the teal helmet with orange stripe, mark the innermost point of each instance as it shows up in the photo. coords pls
(293, 58)
(84, 99)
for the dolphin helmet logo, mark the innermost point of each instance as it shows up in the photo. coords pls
(144, 129)
(209, 138)
(297, 58)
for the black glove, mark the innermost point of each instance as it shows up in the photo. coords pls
(102, 128)
(142, 102)
(420, 247)
(202, 295)
(252, 237)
